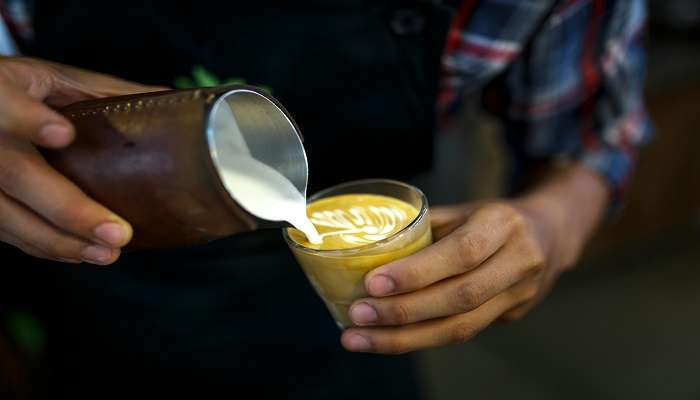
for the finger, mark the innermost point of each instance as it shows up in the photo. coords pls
(546, 282)
(25, 83)
(445, 219)
(36, 237)
(484, 232)
(438, 332)
(519, 312)
(59, 84)
(23, 172)
(30, 119)
(73, 84)
(457, 295)
(24, 246)
(32, 250)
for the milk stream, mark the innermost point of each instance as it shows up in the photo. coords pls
(267, 194)
(258, 188)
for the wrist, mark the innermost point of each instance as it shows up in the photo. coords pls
(565, 209)
(559, 239)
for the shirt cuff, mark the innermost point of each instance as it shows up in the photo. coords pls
(615, 163)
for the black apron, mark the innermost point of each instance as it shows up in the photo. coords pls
(360, 78)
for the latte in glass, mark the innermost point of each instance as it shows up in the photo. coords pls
(362, 225)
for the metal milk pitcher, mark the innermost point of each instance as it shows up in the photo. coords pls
(157, 159)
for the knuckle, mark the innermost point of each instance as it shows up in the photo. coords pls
(525, 293)
(498, 210)
(517, 220)
(53, 250)
(535, 255)
(462, 332)
(395, 345)
(42, 82)
(399, 313)
(17, 63)
(471, 246)
(508, 214)
(13, 172)
(466, 296)
(409, 277)
(61, 248)
(62, 215)
(69, 215)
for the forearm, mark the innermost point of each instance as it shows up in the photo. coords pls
(569, 203)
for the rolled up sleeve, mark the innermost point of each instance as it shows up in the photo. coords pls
(576, 91)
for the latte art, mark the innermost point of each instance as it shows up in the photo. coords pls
(354, 220)
(361, 225)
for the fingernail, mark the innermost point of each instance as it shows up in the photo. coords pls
(357, 343)
(97, 255)
(54, 134)
(363, 314)
(111, 233)
(381, 285)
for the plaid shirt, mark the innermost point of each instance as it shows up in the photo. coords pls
(565, 76)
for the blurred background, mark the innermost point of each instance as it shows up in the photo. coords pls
(625, 324)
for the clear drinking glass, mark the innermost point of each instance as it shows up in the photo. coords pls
(338, 275)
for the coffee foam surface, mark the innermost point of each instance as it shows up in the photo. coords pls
(354, 220)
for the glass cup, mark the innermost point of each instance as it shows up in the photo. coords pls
(338, 275)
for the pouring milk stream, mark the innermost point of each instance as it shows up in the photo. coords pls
(259, 188)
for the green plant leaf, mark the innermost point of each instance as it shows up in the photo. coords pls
(203, 77)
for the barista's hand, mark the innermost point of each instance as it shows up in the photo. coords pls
(41, 212)
(490, 260)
